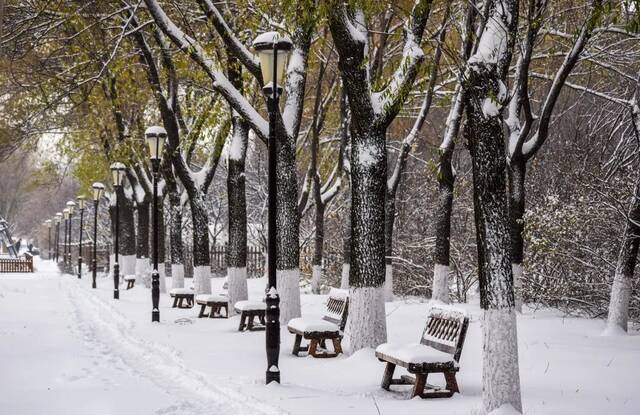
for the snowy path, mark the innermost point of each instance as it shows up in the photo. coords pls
(79, 355)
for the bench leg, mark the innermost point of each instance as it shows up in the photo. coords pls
(202, 310)
(180, 300)
(226, 311)
(418, 387)
(296, 345)
(175, 302)
(261, 317)
(250, 324)
(313, 347)
(243, 318)
(337, 345)
(212, 314)
(452, 383)
(388, 375)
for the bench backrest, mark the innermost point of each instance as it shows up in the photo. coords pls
(445, 331)
(337, 307)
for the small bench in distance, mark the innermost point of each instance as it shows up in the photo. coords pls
(216, 301)
(439, 351)
(248, 311)
(180, 295)
(130, 280)
(318, 331)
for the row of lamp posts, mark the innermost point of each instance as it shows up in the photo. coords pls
(273, 51)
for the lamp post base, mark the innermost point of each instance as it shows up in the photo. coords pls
(94, 271)
(273, 376)
(79, 267)
(116, 281)
(155, 295)
(155, 316)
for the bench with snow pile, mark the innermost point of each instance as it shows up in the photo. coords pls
(216, 301)
(249, 311)
(180, 295)
(439, 351)
(318, 331)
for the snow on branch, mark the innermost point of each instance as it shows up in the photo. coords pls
(220, 82)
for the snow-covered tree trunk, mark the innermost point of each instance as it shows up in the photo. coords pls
(142, 243)
(390, 218)
(201, 253)
(127, 239)
(485, 93)
(175, 239)
(346, 245)
(237, 248)
(618, 316)
(442, 225)
(318, 246)
(517, 174)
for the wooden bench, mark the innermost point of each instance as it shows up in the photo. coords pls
(438, 352)
(180, 295)
(130, 280)
(216, 302)
(248, 311)
(318, 331)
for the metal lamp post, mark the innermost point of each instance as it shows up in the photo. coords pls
(155, 137)
(98, 190)
(117, 174)
(273, 50)
(71, 205)
(65, 245)
(57, 219)
(81, 205)
(47, 223)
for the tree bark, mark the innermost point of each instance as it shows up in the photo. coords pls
(127, 242)
(318, 245)
(201, 254)
(175, 238)
(390, 219)
(618, 317)
(517, 175)
(346, 243)
(444, 205)
(485, 140)
(142, 236)
(161, 244)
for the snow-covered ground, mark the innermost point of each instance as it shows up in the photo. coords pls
(68, 349)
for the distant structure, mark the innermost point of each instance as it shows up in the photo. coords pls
(6, 239)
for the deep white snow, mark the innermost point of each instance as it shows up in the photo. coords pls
(68, 349)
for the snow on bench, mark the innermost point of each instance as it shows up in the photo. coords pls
(216, 301)
(329, 327)
(249, 310)
(439, 351)
(130, 280)
(179, 295)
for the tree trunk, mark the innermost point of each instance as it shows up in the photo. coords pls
(390, 219)
(175, 238)
(618, 317)
(346, 245)
(366, 326)
(127, 242)
(444, 204)
(287, 232)
(142, 243)
(517, 176)
(161, 245)
(201, 254)
(501, 379)
(317, 248)
(237, 248)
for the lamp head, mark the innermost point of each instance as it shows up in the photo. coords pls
(71, 205)
(65, 213)
(270, 45)
(117, 173)
(156, 137)
(98, 191)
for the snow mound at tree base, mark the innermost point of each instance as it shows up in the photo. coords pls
(505, 409)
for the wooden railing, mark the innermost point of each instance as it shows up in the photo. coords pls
(17, 264)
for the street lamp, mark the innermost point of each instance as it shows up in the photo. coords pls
(71, 205)
(48, 225)
(65, 245)
(57, 218)
(155, 137)
(117, 173)
(272, 49)
(98, 190)
(81, 204)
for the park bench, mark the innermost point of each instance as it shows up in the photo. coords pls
(180, 295)
(130, 280)
(318, 331)
(248, 311)
(216, 302)
(438, 352)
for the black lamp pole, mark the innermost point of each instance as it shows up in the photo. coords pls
(155, 275)
(116, 266)
(65, 245)
(94, 262)
(49, 240)
(56, 254)
(272, 326)
(80, 243)
(69, 249)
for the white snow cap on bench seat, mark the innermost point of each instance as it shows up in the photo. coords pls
(206, 298)
(414, 353)
(179, 291)
(304, 325)
(130, 278)
(248, 305)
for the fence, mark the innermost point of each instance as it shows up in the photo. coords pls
(218, 257)
(17, 264)
(102, 255)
